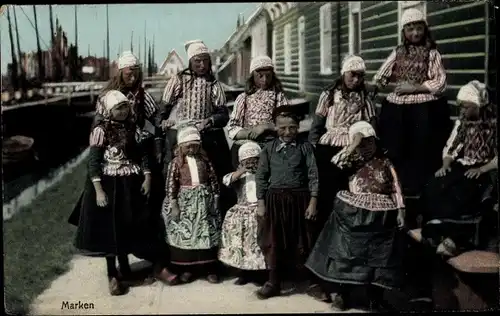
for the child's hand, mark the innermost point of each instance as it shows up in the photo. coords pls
(146, 186)
(241, 171)
(101, 198)
(261, 210)
(311, 212)
(166, 124)
(176, 211)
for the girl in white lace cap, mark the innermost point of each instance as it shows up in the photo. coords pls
(341, 105)
(459, 186)
(358, 244)
(191, 209)
(413, 114)
(240, 248)
(251, 118)
(198, 98)
(108, 213)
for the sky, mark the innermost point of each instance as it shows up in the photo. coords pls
(171, 25)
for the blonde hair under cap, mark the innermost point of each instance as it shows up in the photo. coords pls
(248, 150)
(113, 98)
(260, 62)
(353, 63)
(127, 59)
(474, 92)
(188, 134)
(412, 15)
(195, 48)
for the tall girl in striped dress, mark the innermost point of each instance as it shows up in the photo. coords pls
(413, 113)
(340, 106)
(110, 220)
(252, 116)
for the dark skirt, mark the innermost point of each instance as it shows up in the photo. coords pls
(331, 179)
(121, 227)
(285, 236)
(188, 257)
(414, 136)
(450, 198)
(358, 246)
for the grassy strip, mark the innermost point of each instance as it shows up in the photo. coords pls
(38, 242)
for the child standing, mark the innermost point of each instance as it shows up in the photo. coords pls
(411, 119)
(239, 231)
(287, 189)
(191, 211)
(252, 116)
(111, 206)
(359, 243)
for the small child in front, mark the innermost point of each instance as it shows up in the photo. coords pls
(240, 248)
(287, 189)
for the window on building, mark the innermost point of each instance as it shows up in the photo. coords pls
(325, 18)
(355, 27)
(288, 48)
(274, 46)
(403, 5)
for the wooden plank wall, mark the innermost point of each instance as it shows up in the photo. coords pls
(464, 34)
(291, 81)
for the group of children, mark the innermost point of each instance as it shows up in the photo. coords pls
(330, 208)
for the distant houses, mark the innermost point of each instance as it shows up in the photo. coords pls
(308, 41)
(172, 64)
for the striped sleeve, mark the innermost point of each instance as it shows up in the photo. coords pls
(369, 110)
(282, 99)
(97, 137)
(397, 193)
(218, 95)
(437, 74)
(236, 120)
(384, 73)
(447, 153)
(172, 91)
(99, 106)
(150, 106)
(322, 107)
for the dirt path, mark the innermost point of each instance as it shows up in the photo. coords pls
(86, 282)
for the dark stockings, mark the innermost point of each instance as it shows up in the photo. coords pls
(111, 267)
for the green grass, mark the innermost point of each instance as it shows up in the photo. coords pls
(38, 242)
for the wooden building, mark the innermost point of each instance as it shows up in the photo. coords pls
(310, 39)
(172, 64)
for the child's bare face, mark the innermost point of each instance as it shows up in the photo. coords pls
(287, 128)
(120, 112)
(263, 77)
(250, 163)
(191, 148)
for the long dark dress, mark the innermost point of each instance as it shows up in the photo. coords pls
(472, 144)
(149, 135)
(121, 227)
(250, 111)
(410, 126)
(194, 99)
(329, 132)
(286, 179)
(359, 244)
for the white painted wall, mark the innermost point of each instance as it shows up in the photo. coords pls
(259, 38)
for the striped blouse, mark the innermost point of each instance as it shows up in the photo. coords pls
(193, 97)
(345, 111)
(258, 110)
(435, 83)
